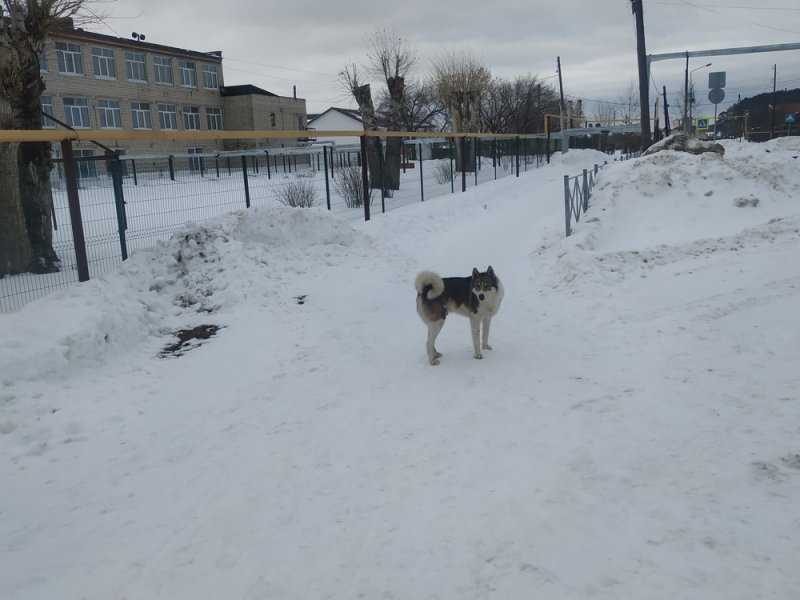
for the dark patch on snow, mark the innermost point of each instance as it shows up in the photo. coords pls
(791, 460)
(188, 339)
(301, 299)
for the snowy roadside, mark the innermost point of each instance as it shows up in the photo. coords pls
(633, 434)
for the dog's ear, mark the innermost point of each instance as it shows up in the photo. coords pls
(490, 271)
(475, 273)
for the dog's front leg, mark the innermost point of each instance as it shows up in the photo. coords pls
(485, 333)
(475, 325)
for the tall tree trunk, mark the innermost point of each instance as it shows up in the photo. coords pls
(15, 249)
(34, 163)
(391, 173)
(363, 96)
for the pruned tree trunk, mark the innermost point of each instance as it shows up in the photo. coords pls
(363, 97)
(15, 250)
(37, 201)
(22, 86)
(391, 173)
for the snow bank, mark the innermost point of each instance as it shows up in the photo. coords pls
(204, 269)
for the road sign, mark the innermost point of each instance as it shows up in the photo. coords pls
(791, 119)
(716, 80)
(716, 95)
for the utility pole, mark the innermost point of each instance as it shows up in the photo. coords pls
(563, 111)
(686, 127)
(667, 128)
(774, 101)
(644, 73)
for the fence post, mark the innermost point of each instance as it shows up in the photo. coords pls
(327, 184)
(595, 169)
(475, 142)
(585, 190)
(382, 176)
(333, 160)
(269, 169)
(421, 182)
(494, 157)
(567, 209)
(135, 177)
(119, 203)
(463, 165)
(516, 150)
(171, 167)
(201, 161)
(228, 160)
(246, 183)
(402, 156)
(79, 241)
(283, 156)
(255, 162)
(364, 176)
(216, 165)
(452, 172)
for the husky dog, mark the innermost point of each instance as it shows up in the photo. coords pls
(477, 297)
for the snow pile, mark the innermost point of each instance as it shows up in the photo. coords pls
(673, 204)
(204, 269)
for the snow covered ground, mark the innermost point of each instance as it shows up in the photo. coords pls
(634, 433)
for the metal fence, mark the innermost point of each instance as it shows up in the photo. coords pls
(578, 191)
(107, 207)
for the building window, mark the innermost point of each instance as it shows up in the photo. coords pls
(162, 66)
(188, 74)
(210, 78)
(272, 120)
(76, 112)
(43, 60)
(214, 116)
(167, 116)
(108, 114)
(191, 117)
(47, 109)
(70, 60)
(135, 67)
(86, 168)
(196, 163)
(140, 112)
(103, 63)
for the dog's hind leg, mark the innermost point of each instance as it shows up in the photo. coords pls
(475, 326)
(485, 333)
(430, 347)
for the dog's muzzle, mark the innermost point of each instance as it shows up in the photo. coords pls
(481, 297)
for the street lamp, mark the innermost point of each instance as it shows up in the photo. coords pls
(691, 100)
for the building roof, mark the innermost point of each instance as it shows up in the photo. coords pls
(68, 31)
(350, 112)
(244, 90)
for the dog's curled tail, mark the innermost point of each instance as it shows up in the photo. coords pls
(429, 285)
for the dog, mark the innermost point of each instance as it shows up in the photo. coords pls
(476, 297)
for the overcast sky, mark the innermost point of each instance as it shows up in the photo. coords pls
(306, 43)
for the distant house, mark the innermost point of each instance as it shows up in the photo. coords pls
(336, 119)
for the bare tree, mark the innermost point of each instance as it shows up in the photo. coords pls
(422, 110)
(351, 80)
(24, 28)
(391, 58)
(461, 80)
(15, 249)
(517, 106)
(629, 104)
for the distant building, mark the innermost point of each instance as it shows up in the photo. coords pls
(336, 119)
(97, 81)
(248, 107)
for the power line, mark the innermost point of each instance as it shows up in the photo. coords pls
(717, 12)
(726, 7)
